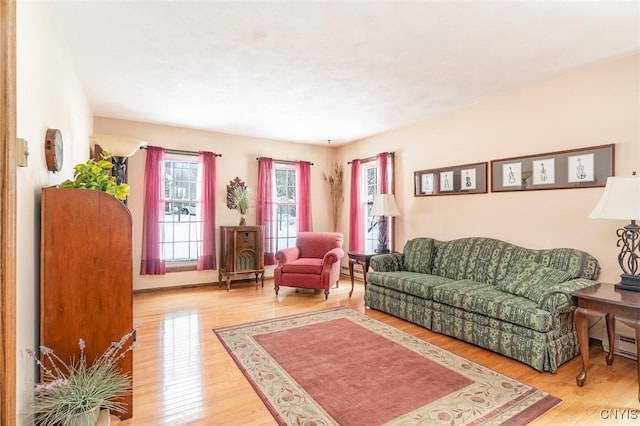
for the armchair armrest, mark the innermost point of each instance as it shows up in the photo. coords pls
(287, 255)
(388, 262)
(558, 299)
(332, 256)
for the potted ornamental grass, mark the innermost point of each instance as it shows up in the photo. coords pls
(73, 393)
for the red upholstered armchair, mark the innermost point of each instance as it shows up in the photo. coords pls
(313, 263)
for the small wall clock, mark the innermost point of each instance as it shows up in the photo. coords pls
(53, 150)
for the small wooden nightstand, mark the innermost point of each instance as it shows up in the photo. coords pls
(361, 258)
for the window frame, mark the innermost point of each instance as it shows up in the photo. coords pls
(289, 238)
(194, 232)
(367, 193)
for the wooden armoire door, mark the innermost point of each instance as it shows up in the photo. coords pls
(86, 274)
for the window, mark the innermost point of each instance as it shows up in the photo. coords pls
(369, 187)
(369, 177)
(285, 206)
(182, 221)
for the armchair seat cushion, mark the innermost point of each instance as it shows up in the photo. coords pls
(305, 265)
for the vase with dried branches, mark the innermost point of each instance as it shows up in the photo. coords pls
(242, 200)
(335, 179)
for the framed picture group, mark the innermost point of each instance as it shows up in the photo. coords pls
(576, 168)
(465, 179)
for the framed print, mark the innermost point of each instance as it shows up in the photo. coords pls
(512, 174)
(427, 183)
(465, 179)
(575, 168)
(446, 181)
(544, 172)
(580, 168)
(468, 179)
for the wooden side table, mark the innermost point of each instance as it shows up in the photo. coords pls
(604, 300)
(361, 258)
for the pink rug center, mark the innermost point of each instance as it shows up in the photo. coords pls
(357, 376)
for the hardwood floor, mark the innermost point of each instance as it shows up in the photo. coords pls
(183, 375)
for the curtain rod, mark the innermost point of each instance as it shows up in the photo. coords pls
(373, 157)
(181, 151)
(283, 161)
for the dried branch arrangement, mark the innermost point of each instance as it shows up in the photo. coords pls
(335, 179)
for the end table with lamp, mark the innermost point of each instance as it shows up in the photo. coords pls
(384, 206)
(619, 201)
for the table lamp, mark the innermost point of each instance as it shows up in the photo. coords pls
(384, 205)
(621, 200)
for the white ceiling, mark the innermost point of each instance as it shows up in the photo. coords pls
(342, 70)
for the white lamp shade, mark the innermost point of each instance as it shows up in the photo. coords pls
(384, 205)
(118, 146)
(620, 199)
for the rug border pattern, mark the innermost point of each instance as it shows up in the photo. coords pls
(492, 399)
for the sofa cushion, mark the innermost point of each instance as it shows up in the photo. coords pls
(485, 260)
(418, 255)
(413, 283)
(485, 299)
(532, 280)
(579, 263)
(307, 265)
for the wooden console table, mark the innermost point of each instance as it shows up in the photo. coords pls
(604, 300)
(359, 258)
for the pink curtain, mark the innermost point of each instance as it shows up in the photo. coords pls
(264, 209)
(152, 262)
(356, 222)
(303, 172)
(385, 185)
(207, 258)
(382, 162)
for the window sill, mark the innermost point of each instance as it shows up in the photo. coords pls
(180, 267)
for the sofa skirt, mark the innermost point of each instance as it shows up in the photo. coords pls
(542, 351)
(406, 306)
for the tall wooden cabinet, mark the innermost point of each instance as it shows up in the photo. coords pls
(86, 274)
(241, 252)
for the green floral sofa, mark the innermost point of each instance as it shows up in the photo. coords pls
(506, 298)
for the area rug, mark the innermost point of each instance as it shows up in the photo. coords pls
(338, 366)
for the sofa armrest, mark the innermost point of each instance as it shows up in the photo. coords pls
(332, 256)
(287, 255)
(388, 262)
(558, 299)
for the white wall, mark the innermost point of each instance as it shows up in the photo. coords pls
(238, 159)
(49, 95)
(594, 106)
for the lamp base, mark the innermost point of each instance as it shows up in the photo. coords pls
(382, 250)
(629, 282)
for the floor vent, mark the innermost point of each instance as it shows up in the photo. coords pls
(625, 342)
